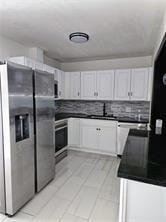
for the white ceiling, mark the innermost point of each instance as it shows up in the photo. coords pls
(117, 28)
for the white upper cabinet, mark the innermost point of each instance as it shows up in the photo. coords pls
(48, 69)
(105, 85)
(88, 85)
(22, 60)
(132, 84)
(97, 85)
(75, 85)
(139, 84)
(122, 84)
(39, 66)
(60, 77)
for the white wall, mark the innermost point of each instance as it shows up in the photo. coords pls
(161, 35)
(136, 62)
(52, 62)
(10, 48)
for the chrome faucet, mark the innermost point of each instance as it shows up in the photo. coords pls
(104, 109)
(139, 115)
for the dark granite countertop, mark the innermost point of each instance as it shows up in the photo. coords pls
(60, 116)
(144, 158)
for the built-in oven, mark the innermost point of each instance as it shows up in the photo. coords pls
(55, 89)
(61, 139)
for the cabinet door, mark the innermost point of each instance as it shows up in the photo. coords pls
(67, 87)
(39, 66)
(74, 132)
(89, 137)
(108, 139)
(19, 60)
(88, 85)
(105, 85)
(122, 84)
(139, 84)
(75, 85)
(49, 69)
(23, 61)
(61, 84)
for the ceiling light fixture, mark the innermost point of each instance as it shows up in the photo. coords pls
(79, 37)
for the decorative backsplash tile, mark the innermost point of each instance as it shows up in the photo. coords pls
(117, 108)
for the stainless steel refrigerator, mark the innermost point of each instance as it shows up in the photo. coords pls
(17, 183)
(44, 128)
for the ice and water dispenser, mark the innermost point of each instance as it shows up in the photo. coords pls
(22, 127)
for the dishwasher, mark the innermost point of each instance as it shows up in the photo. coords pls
(123, 131)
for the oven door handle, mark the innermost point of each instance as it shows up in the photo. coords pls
(63, 127)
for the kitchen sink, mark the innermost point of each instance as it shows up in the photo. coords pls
(109, 117)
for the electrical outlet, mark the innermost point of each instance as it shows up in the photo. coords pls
(128, 109)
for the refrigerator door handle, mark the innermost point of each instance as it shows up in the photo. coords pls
(21, 126)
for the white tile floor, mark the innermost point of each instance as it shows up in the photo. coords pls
(85, 189)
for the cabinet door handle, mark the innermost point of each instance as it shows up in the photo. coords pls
(78, 94)
(131, 94)
(94, 94)
(128, 93)
(97, 94)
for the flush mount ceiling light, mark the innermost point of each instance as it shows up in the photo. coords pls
(79, 37)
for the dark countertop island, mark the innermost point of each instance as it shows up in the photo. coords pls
(144, 158)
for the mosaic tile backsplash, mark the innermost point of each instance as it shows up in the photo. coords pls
(117, 108)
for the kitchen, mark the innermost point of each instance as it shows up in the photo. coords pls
(79, 111)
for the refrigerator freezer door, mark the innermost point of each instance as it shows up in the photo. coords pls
(2, 183)
(44, 120)
(17, 100)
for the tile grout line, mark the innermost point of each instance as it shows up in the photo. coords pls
(79, 192)
(76, 193)
(99, 192)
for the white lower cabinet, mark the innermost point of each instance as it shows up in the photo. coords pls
(89, 137)
(141, 202)
(99, 136)
(107, 139)
(74, 132)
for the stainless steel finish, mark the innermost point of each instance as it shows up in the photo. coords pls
(61, 155)
(21, 125)
(56, 129)
(133, 125)
(2, 178)
(62, 124)
(17, 99)
(44, 125)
